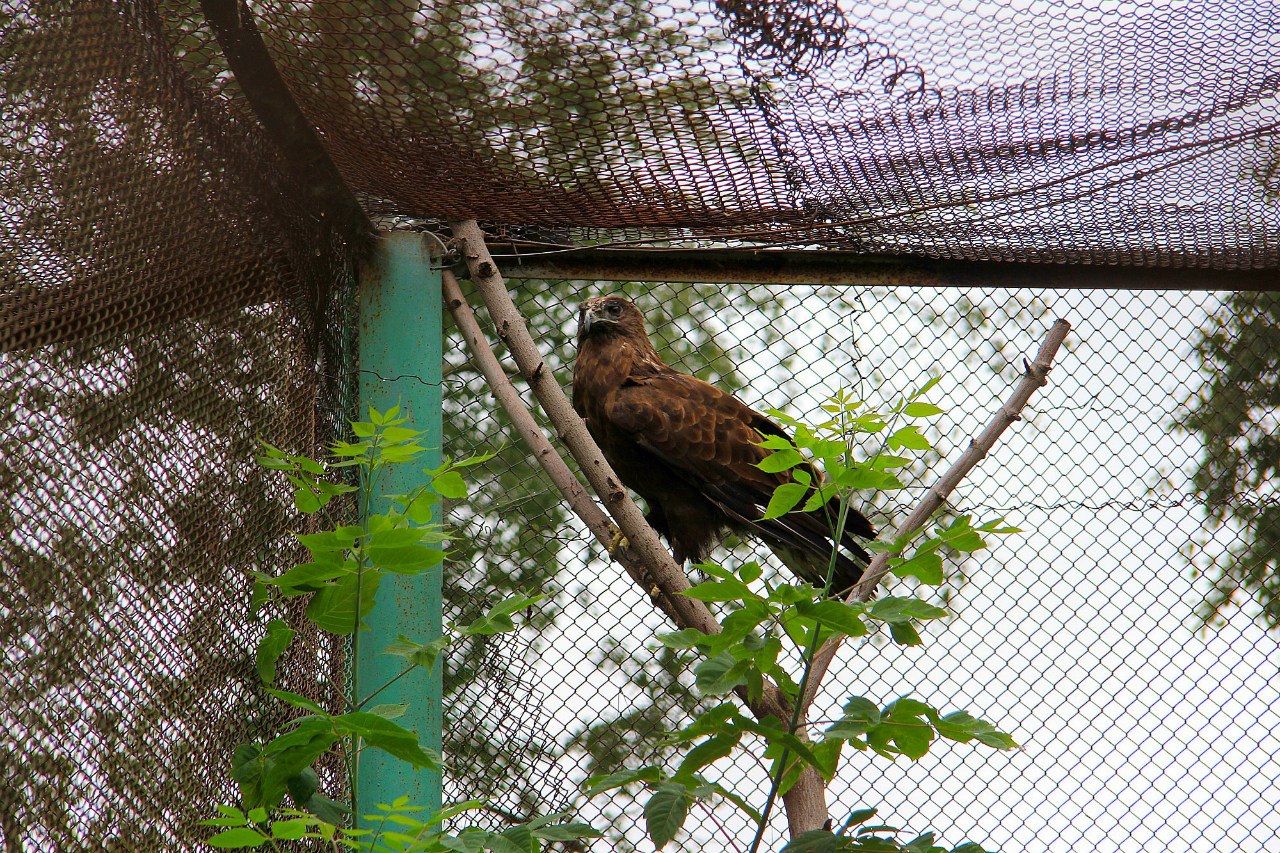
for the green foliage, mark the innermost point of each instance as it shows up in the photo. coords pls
(342, 576)
(764, 626)
(1235, 417)
(394, 828)
(767, 625)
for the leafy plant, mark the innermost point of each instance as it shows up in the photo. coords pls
(346, 566)
(767, 623)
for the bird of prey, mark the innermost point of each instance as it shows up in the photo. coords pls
(691, 451)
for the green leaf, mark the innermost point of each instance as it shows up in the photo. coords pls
(961, 536)
(860, 816)
(279, 636)
(925, 388)
(396, 435)
(827, 754)
(248, 765)
(390, 538)
(921, 410)
(306, 501)
(238, 838)
(963, 727)
(498, 620)
(297, 701)
(861, 476)
(309, 577)
(665, 813)
(419, 654)
(685, 638)
(905, 634)
(387, 735)
(784, 499)
(390, 737)
(710, 750)
(712, 721)
(998, 526)
(740, 622)
(326, 809)
(330, 540)
(520, 837)
(893, 608)
(812, 841)
(333, 608)
(926, 566)
(302, 786)
(750, 572)
(922, 843)
(289, 830)
(450, 485)
(725, 590)
(567, 831)
(403, 549)
(420, 508)
(619, 779)
(516, 603)
(909, 437)
(720, 674)
(289, 754)
(860, 716)
(781, 460)
(842, 617)
(260, 595)
(390, 711)
(903, 725)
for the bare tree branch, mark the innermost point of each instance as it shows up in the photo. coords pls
(646, 560)
(1034, 378)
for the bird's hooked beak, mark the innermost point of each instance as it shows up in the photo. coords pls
(591, 314)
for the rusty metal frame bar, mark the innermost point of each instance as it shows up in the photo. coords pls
(800, 267)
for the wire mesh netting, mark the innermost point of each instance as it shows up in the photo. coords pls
(1106, 133)
(171, 292)
(165, 302)
(1084, 636)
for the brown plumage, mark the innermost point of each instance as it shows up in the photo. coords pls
(690, 450)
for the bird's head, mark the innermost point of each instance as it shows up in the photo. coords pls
(609, 315)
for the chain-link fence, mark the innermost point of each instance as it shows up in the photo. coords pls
(1140, 726)
(175, 284)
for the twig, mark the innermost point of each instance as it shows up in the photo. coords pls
(646, 559)
(1034, 377)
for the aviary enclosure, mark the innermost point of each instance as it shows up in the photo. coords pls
(802, 198)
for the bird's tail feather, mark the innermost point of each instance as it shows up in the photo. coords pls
(812, 568)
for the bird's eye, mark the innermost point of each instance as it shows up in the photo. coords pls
(614, 309)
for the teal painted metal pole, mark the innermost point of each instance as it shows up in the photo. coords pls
(400, 356)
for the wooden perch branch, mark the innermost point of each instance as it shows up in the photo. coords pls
(528, 429)
(1034, 378)
(647, 561)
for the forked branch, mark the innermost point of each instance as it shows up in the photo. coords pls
(1034, 377)
(647, 561)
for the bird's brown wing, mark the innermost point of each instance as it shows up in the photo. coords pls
(711, 440)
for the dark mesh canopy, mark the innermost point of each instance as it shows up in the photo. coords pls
(1039, 131)
(188, 191)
